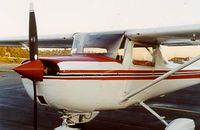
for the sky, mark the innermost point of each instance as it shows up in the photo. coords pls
(69, 16)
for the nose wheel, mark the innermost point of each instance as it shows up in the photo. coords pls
(68, 123)
(73, 121)
(65, 127)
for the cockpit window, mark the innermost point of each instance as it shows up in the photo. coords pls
(120, 54)
(76, 44)
(95, 50)
(106, 44)
(143, 56)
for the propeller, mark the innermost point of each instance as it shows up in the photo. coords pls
(33, 52)
(32, 69)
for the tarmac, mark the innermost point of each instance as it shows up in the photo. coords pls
(16, 110)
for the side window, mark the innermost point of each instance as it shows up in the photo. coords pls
(120, 55)
(143, 56)
(95, 50)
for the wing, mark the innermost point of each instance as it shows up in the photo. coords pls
(95, 39)
(170, 36)
(48, 41)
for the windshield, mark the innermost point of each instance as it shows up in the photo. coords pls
(85, 43)
(76, 44)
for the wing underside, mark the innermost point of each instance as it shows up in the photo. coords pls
(169, 36)
(50, 41)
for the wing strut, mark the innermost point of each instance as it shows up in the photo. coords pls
(157, 80)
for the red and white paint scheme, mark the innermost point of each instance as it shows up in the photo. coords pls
(94, 82)
(86, 82)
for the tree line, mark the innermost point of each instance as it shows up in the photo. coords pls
(18, 54)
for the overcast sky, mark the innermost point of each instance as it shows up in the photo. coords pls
(69, 16)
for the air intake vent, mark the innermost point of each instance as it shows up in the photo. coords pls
(42, 100)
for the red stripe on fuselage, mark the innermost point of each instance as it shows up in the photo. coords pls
(188, 76)
(122, 71)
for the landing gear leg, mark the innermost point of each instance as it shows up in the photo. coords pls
(177, 124)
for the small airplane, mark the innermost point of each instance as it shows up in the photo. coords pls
(89, 81)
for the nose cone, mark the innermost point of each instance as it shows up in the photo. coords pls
(33, 70)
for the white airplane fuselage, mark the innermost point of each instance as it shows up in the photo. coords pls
(86, 83)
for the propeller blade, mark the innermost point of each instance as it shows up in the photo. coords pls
(33, 38)
(33, 48)
(35, 105)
